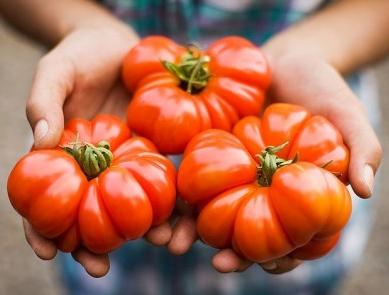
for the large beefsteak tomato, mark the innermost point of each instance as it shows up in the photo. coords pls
(179, 92)
(99, 188)
(272, 189)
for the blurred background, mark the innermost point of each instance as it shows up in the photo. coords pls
(21, 272)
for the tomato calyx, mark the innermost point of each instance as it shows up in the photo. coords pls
(269, 162)
(92, 159)
(192, 71)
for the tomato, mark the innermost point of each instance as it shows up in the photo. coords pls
(273, 188)
(179, 92)
(99, 188)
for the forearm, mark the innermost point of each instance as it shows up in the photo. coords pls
(50, 21)
(349, 34)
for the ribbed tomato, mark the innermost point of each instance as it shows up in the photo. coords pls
(179, 92)
(99, 188)
(273, 188)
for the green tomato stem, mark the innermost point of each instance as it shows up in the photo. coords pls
(192, 71)
(92, 159)
(269, 162)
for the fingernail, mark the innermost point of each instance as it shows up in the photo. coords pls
(269, 265)
(369, 178)
(40, 131)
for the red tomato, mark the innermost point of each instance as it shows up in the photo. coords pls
(179, 92)
(268, 202)
(108, 188)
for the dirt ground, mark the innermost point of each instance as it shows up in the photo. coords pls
(21, 272)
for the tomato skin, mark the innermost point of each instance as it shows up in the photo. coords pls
(103, 212)
(146, 58)
(197, 181)
(70, 239)
(313, 138)
(237, 58)
(35, 192)
(171, 121)
(170, 116)
(300, 214)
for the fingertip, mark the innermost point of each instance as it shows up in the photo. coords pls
(96, 265)
(97, 269)
(48, 132)
(178, 248)
(281, 265)
(269, 266)
(362, 179)
(228, 261)
(44, 248)
(47, 252)
(159, 235)
(223, 265)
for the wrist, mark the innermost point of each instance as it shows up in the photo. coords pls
(87, 15)
(283, 46)
(105, 32)
(108, 25)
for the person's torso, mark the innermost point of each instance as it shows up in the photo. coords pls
(205, 20)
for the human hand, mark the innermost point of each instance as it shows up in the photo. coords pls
(317, 86)
(80, 78)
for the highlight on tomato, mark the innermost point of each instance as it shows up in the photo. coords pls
(180, 91)
(98, 189)
(274, 188)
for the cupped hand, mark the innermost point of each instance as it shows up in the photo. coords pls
(80, 78)
(316, 85)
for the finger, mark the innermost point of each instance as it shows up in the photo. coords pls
(159, 235)
(281, 265)
(228, 261)
(52, 84)
(43, 248)
(96, 265)
(365, 149)
(184, 235)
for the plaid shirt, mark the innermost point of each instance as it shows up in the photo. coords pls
(141, 269)
(204, 21)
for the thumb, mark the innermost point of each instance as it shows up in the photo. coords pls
(365, 158)
(365, 149)
(52, 84)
